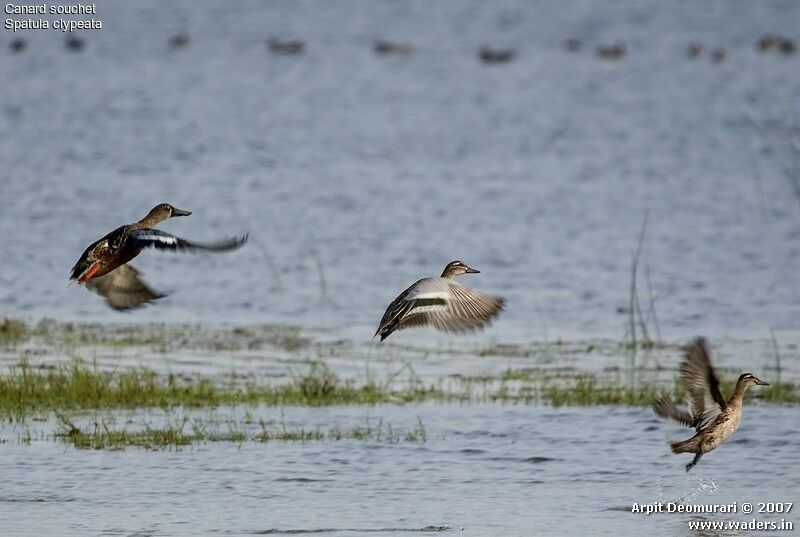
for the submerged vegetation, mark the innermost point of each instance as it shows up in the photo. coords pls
(44, 377)
(12, 330)
(103, 434)
(78, 386)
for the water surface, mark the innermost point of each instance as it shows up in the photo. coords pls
(381, 170)
(491, 470)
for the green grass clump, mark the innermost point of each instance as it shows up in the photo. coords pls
(26, 390)
(778, 393)
(13, 330)
(588, 392)
(103, 436)
(78, 386)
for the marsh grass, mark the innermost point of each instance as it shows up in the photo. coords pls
(30, 392)
(588, 391)
(104, 434)
(13, 330)
(782, 393)
(26, 389)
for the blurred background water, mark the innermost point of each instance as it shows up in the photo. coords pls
(356, 175)
(381, 170)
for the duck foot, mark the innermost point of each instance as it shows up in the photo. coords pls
(694, 461)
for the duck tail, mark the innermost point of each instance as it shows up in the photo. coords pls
(686, 446)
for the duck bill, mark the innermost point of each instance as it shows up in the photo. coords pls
(180, 212)
(760, 382)
(472, 271)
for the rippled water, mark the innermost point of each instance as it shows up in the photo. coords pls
(356, 175)
(381, 170)
(484, 470)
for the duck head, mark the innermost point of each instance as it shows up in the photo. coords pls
(163, 211)
(457, 268)
(748, 379)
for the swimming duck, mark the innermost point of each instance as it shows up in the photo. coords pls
(769, 42)
(389, 48)
(714, 418)
(572, 44)
(490, 55)
(719, 55)
(787, 46)
(776, 42)
(286, 48)
(612, 52)
(104, 267)
(695, 50)
(179, 41)
(441, 303)
(17, 45)
(74, 43)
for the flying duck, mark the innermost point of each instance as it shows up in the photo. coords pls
(441, 303)
(104, 267)
(714, 418)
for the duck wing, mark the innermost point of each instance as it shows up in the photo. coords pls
(161, 240)
(442, 304)
(395, 312)
(123, 288)
(701, 384)
(465, 309)
(667, 409)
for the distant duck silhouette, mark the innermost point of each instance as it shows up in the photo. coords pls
(17, 45)
(713, 418)
(695, 50)
(286, 48)
(719, 55)
(787, 46)
(776, 43)
(74, 43)
(491, 56)
(389, 48)
(179, 41)
(769, 42)
(616, 51)
(572, 44)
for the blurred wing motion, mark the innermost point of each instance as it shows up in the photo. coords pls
(702, 385)
(702, 390)
(667, 409)
(442, 304)
(142, 238)
(123, 289)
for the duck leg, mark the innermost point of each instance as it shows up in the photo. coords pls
(694, 461)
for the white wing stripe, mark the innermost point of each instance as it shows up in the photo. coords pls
(166, 239)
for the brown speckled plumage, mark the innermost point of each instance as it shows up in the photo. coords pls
(714, 418)
(103, 265)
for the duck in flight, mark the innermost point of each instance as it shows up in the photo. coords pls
(104, 267)
(441, 303)
(714, 418)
